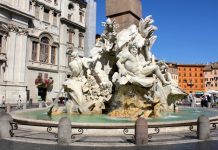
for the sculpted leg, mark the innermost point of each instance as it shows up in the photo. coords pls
(161, 77)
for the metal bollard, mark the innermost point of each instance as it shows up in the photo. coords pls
(141, 131)
(24, 105)
(8, 108)
(203, 128)
(64, 131)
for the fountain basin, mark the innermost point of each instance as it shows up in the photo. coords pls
(185, 117)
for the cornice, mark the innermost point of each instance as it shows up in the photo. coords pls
(64, 20)
(82, 3)
(16, 11)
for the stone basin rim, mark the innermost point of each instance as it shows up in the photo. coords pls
(45, 123)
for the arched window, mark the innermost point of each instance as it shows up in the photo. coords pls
(44, 50)
(70, 6)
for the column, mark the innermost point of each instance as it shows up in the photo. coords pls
(58, 20)
(18, 59)
(38, 51)
(8, 76)
(23, 57)
(49, 54)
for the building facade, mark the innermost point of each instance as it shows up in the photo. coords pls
(211, 76)
(173, 70)
(35, 36)
(14, 23)
(191, 78)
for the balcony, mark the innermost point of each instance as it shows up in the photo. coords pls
(42, 66)
(190, 84)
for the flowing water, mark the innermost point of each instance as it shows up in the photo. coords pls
(182, 115)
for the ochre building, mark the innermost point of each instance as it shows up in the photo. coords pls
(211, 76)
(191, 78)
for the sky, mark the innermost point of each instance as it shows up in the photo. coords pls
(187, 29)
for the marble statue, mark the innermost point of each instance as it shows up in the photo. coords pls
(121, 77)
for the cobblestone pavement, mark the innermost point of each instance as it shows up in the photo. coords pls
(32, 138)
(24, 138)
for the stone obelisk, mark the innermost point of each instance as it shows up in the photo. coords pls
(125, 12)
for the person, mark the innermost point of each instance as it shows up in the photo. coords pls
(19, 102)
(129, 64)
(3, 101)
(202, 101)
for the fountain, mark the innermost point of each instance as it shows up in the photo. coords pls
(120, 82)
(121, 78)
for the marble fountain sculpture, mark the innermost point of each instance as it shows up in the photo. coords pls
(121, 77)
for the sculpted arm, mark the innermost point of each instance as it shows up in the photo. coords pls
(120, 64)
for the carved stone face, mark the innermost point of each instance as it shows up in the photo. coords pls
(134, 50)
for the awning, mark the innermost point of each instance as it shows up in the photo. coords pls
(199, 92)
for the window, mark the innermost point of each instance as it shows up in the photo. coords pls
(45, 76)
(196, 75)
(46, 15)
(195, 69)
(201, 75)
(34, 51)
(81, 40)
(202, 80)
(196, 80)
(1, 43)
(196, 86)
(56, 2)
(184, 74)
(202, 86)
(184, 69)
(70, 6)
(55, 19)
(40, 74)
(190, 74)
(30, 6)
(70, 35)
(81, 17)
(215, 84)
(53, 55)
(44, 49)
(37, 9)
(190, 69)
